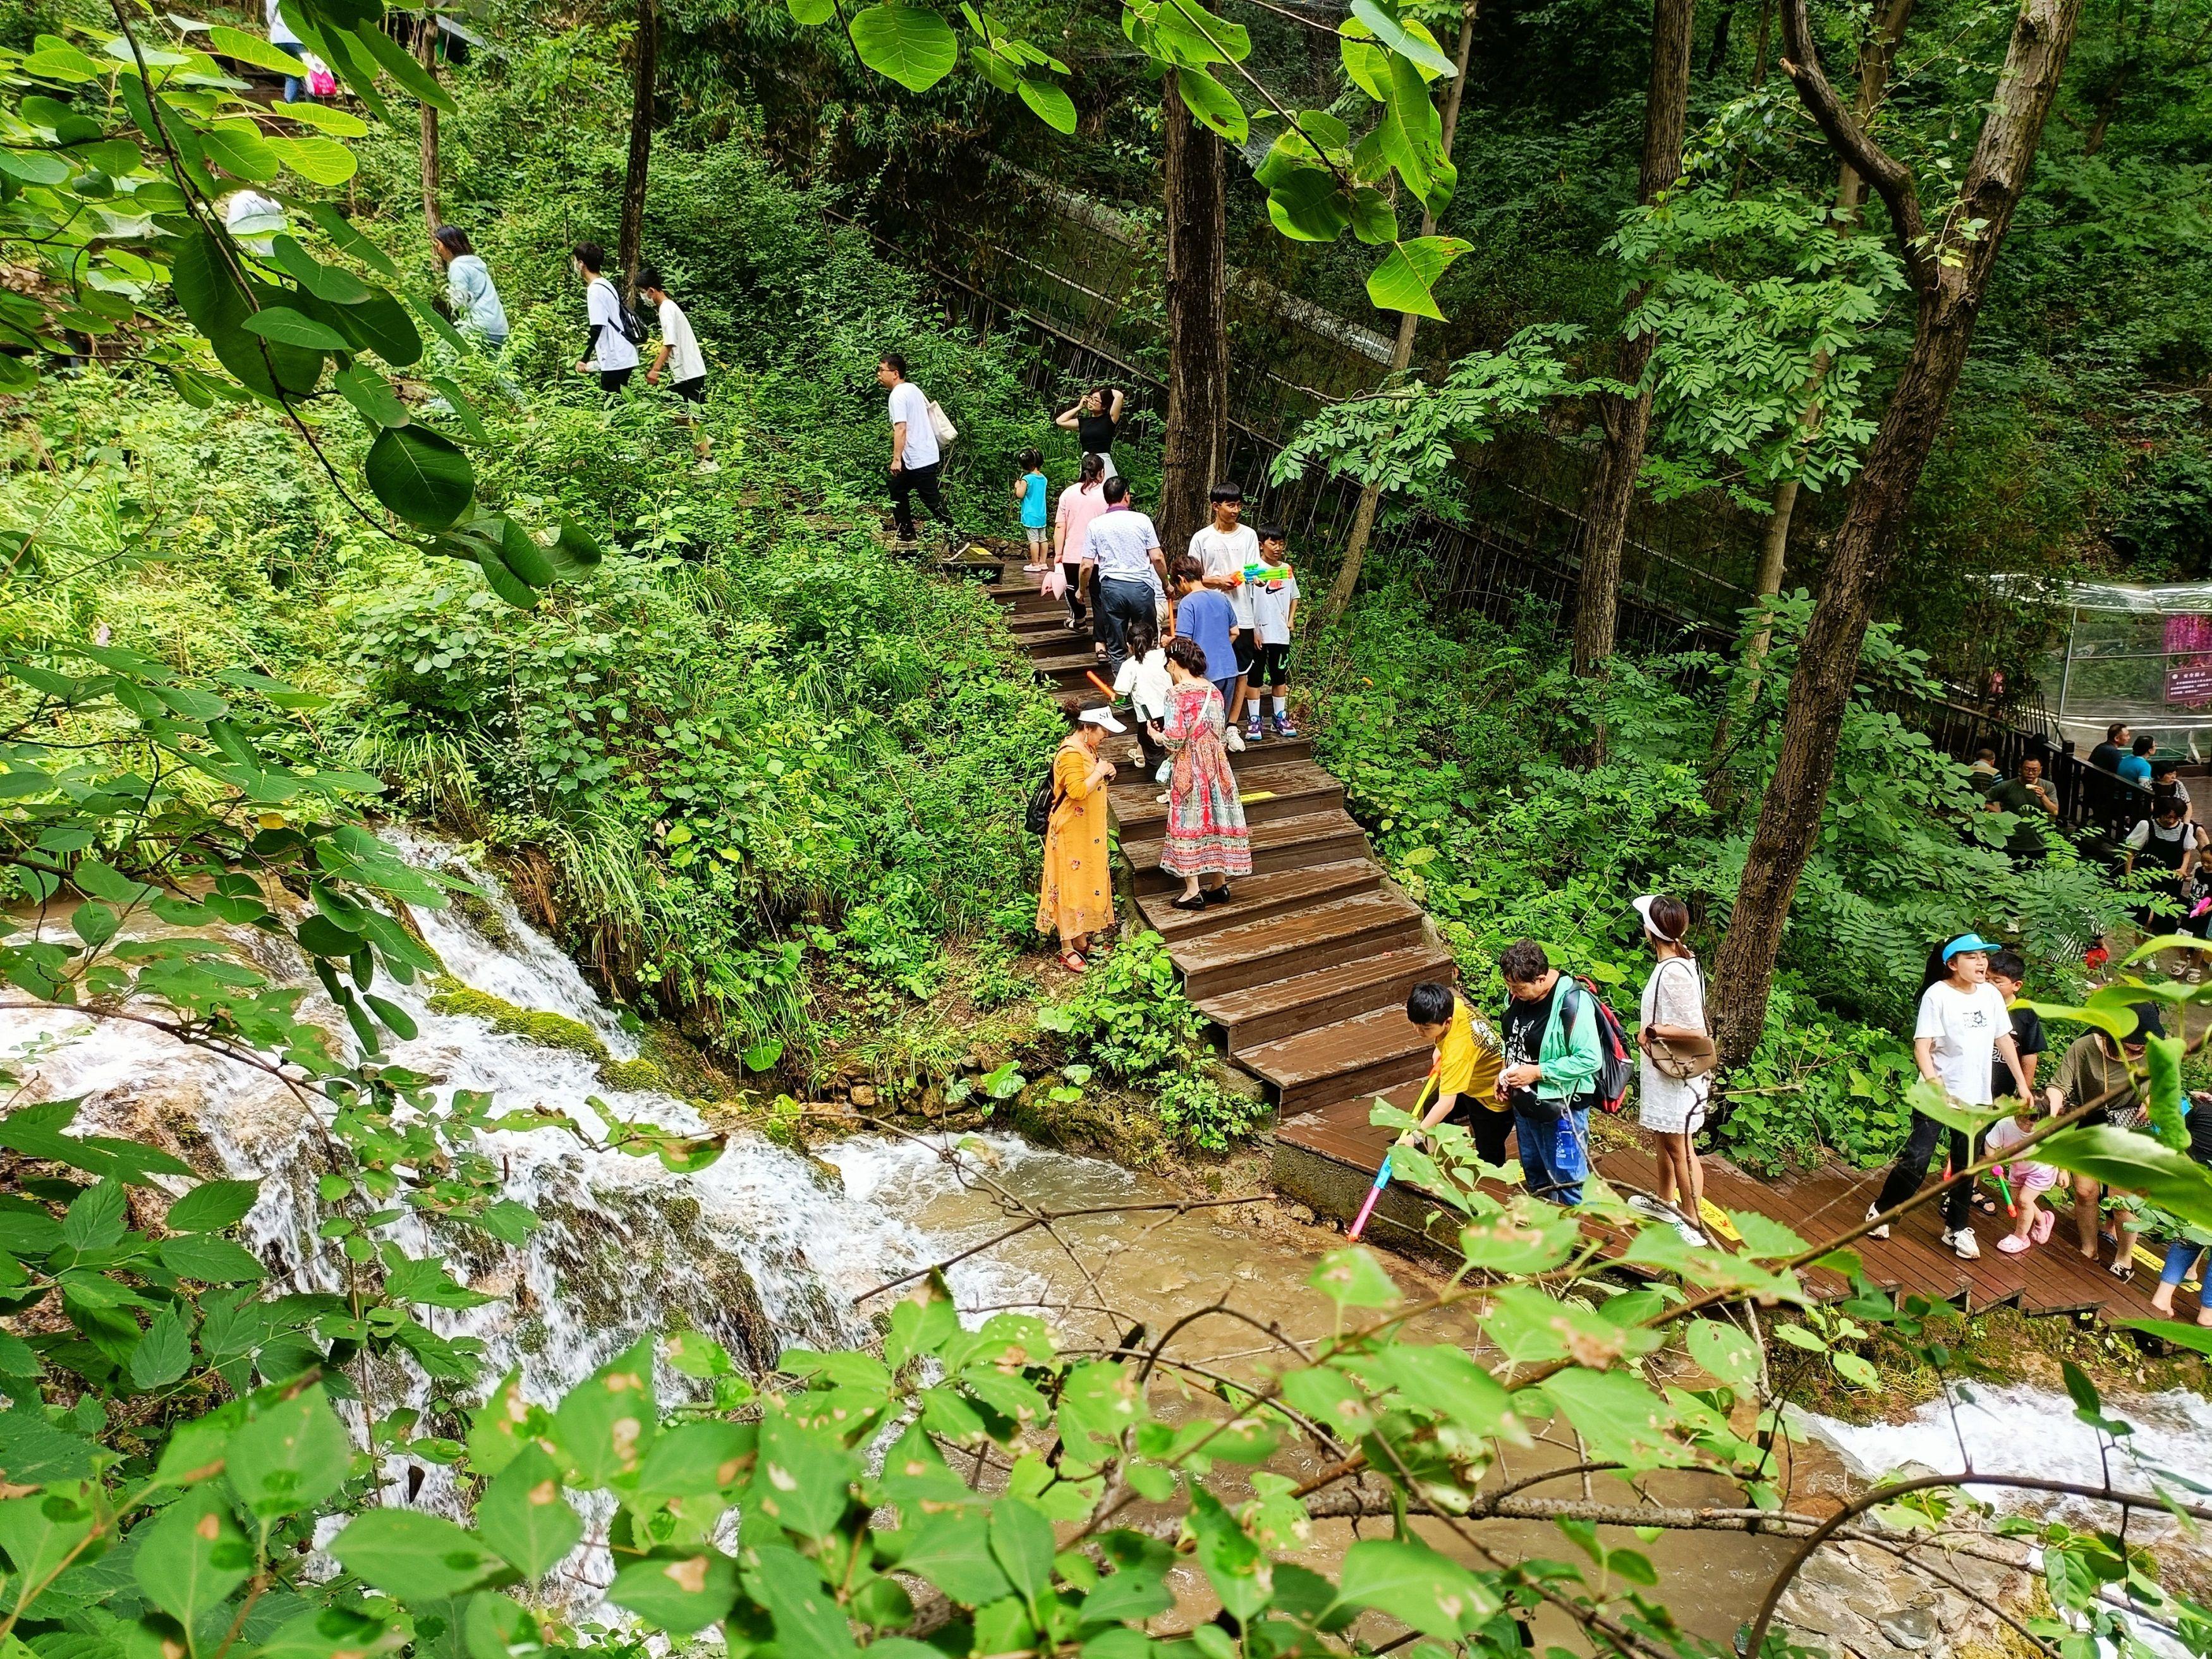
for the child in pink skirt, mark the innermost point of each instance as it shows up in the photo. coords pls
(2032, 1220)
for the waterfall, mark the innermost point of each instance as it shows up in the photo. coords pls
(764, 1248)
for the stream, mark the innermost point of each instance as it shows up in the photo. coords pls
(768, 1246)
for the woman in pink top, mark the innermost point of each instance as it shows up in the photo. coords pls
(1080, 503)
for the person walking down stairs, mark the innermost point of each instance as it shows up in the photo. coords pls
(1077, 899)
(1206, 834)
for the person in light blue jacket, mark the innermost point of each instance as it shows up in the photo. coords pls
(469, 286)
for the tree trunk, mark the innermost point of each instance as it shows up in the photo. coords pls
(1625, 421)
(1198, 326)
(1950, 273)
(645, 69)
(1401, 353)
(426, 53)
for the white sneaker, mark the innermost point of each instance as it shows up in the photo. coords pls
(1233, 741)
(1878, 1232)
(1964, 1245)
(1691, 1236)
(1643, 1204)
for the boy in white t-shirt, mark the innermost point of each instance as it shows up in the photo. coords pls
(1225, 547)
(679, 357)
(1275, 605)
(609, 350)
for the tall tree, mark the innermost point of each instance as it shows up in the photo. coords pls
(645, 54)
(1876, 53)
(1198, 324)
(426, 53)
(1402, 352)
(1948, 265)
(1626, 422)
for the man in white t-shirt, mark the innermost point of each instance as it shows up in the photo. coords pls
(1124, 547)
(679, 357)
(915, 455)
(609, 350)
(1224, 548)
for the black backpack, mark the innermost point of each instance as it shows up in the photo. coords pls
(1617, 1064)
(632, 326)
(1046, 796)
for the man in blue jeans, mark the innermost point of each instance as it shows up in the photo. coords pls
(1549, 1080)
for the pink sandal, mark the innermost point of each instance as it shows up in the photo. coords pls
(2045, 1221)
(1072, 962)
(2013, 1244)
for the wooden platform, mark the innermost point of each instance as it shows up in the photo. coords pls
(1327, 1157)
(1303, 975)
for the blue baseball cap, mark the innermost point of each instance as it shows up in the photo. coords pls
(1968, 942)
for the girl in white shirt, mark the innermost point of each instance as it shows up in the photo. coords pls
(1962, 1022)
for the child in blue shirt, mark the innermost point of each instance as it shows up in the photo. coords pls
(1205, 615)
(1031, 495)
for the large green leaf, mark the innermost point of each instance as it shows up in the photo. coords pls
(212, 1205)
(1051, 104)
(1409, 130)
(1416, 1586)
(1307, 206)
(682, 1590)
(1404, 279)
(952, 1549)
(289, 327)
(809, 1623)
(212, 1260)
(38, 1533)
(606, 1423)
(802, 1480)
(411, 1555)
(1213, 104)
(1411, 41)
(289, 1456)
(523, 1516)
(423, 477)
(695, 1459)
(910, 45)
(2133, 1163)
(194, 1556)
(319, 161)
(164, 1354)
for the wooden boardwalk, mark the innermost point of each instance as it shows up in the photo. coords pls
(1305, 974)
(1326, 1158)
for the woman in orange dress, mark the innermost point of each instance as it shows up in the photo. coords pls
(1077, 899)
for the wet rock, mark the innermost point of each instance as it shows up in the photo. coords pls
(1911, 1628)
(863, 1096)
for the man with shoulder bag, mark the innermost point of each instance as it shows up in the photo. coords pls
(1676, 1066)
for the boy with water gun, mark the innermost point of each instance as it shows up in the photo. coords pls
(1273, 591)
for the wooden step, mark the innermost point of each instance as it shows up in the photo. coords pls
(1282, 1007)
(1277, 844)
(1255, 896)
(1277, 947)
(1071, 669)
(1346, 1059)
(1291, 789)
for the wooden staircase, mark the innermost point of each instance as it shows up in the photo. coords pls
(1304, 972)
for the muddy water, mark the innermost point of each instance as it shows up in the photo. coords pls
(1150, 1268)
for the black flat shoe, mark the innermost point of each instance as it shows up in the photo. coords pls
(1197, 902)
(1214, 894)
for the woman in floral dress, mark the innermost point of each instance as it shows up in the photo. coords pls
(1205, 832)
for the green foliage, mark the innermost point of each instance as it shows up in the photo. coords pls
(1129, 1019)
(150, 122)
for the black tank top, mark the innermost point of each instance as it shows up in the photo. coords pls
(2167, 850)
(1096, 433)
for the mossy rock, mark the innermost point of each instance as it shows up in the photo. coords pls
(548, 1030)
(639, 1075)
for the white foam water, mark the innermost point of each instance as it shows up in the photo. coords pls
(2019, 1430)
(764, 1248)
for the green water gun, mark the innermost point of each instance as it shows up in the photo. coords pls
(1266, 573)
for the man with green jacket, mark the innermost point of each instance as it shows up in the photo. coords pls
(1552, 1062)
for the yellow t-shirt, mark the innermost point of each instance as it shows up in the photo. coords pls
(1469, 1058)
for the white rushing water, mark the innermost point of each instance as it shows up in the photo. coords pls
(2021, 1429)
(764, 1248)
